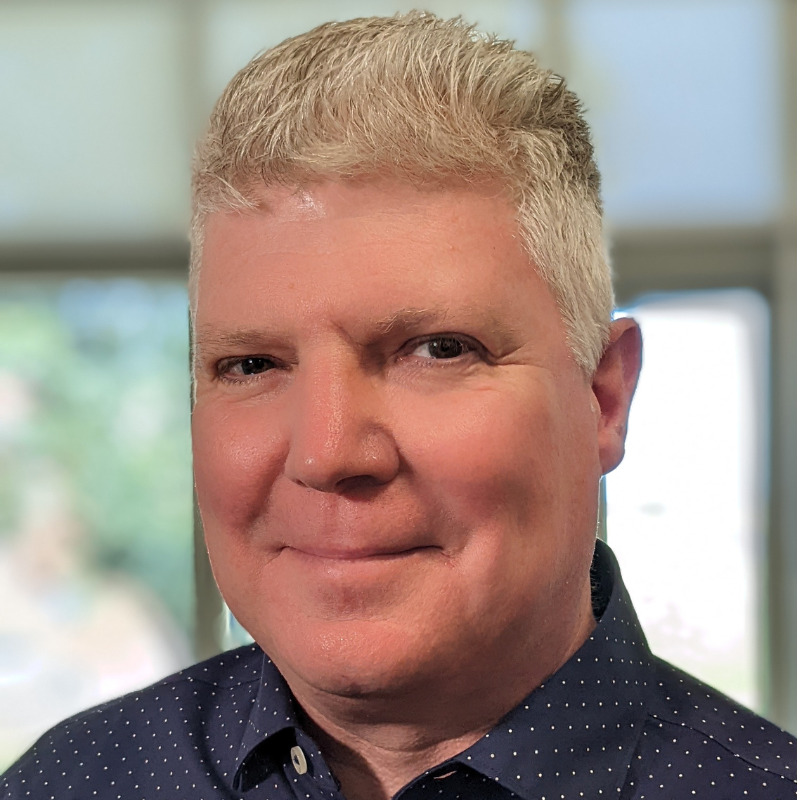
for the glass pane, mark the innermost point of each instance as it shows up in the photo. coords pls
(95, 496)
(94, 141)
(238, 29)
(686, 507)
(682, 96)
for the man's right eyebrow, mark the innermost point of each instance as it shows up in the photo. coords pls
(207, 338)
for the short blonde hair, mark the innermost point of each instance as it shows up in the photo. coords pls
(428, 101)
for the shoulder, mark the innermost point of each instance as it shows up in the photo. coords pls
(699, 739)
(206, 702)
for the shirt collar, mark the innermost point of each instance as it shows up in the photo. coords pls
(272, 720)
(272, 729)
(592, 709)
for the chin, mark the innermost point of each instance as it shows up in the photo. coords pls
(354, 659)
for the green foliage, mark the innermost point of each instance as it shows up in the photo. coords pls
(94, 400)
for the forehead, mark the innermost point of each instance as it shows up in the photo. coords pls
(376, 208)
(365, 251)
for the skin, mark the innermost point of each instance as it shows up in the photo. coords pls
(397, 462)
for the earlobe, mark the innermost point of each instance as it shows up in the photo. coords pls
(613, 384)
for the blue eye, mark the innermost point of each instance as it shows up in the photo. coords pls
(254, 365)
(234, 368)
(443, 347)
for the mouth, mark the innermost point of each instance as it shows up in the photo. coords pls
(345, 555)
(354, 582)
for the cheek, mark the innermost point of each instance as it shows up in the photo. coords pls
(236, 459)
(485, 446)
(521, 460)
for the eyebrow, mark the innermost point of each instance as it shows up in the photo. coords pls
(403, 319)
(207, 339)
(205, 335)
(408, 318)
(453, 319)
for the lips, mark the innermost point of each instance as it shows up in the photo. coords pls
(359, 553)
(351, 578)
(333, 528)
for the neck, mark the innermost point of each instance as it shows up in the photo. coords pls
(378, 742)
(375, 762)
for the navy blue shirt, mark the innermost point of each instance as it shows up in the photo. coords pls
(613, 722)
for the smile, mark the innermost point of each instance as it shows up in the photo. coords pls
(345, 555)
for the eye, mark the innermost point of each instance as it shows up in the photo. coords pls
(443, 347)
(237, 368)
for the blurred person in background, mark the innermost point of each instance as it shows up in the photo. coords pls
(408, 386)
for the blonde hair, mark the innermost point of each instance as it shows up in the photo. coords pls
(427, 101)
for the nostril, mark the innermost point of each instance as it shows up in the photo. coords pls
(361, 485)
(348, 463)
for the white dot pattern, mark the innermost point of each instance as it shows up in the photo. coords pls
(613, 722)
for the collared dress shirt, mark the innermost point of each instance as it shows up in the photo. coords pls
(613, 722)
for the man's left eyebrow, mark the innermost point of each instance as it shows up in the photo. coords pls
(449, 320)
(406, 318)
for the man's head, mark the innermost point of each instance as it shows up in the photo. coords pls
(407, 389)
(429, 102)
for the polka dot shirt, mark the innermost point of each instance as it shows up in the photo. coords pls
(613, 722)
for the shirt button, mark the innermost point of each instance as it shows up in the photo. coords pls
(299, 760)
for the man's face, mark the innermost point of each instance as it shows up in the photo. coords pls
(396, 456)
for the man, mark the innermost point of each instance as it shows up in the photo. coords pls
(407, 389)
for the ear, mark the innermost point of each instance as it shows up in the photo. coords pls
(613, 384)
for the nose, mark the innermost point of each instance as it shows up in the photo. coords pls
(340, 439)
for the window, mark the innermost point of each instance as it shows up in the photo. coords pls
(95, 496)
(686, 508)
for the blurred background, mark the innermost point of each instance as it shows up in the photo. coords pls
(103, 587)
